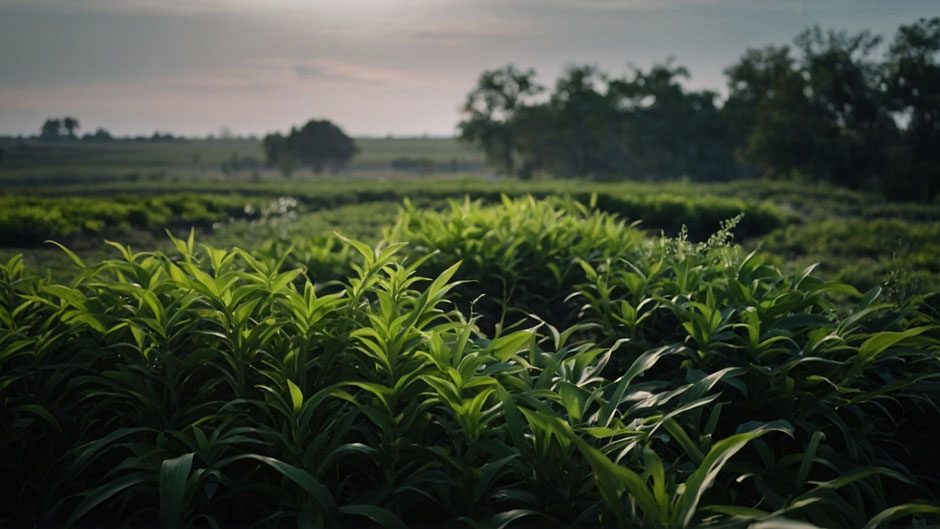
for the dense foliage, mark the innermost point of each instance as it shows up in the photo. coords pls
(860, 237)
(620, 381)
(829, 109)
(319, 144)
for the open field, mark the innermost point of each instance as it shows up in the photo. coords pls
(495, 352)
(32, 163)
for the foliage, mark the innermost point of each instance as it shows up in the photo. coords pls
(54, 129)
(867, 252)
(490, 110)
(319, 144)
(699, 387)
(644, 126)
(826, 110)
(914, 87)
(29, 221)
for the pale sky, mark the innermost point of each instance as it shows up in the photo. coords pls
(372, 66)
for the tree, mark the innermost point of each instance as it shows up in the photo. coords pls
(820, 114)
(71, 125)
(591, 125)
(490, 110)
(319, 145)
(670, 132)
(322, 145)
(589, 122)
(913, 87)
(277, 153)
(51, 130)
(843, 88)
(752, 81)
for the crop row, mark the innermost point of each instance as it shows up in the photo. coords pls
(29, 221)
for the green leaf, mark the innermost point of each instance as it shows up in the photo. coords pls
(505, 346)
(381, 516)
(782, 523)
(708, 470)
(75, 259)
(499, 520)
(173, 476)
(296, 396)
(641, 364)
(96, 496)
(901, 511)
(808, 456)
(610, 477)
(319, 493)
(876, 344)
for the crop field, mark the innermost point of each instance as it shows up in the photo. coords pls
(428, 345)
(30, 163)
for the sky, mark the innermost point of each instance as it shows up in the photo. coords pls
(374, 67)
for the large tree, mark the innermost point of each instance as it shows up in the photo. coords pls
(913, 85)
(669, 131)
(51, 129)
(490, 110)
(70, 125)
(819, 113)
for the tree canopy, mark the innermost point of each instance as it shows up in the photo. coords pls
(54, 129)
(319, 145)
(832, 106)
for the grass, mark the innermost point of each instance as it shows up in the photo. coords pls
(619, 380)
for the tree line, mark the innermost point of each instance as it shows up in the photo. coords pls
(59, 129)
(832, 106)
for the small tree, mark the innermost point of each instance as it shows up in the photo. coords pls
(71, 125)
(490, 110)
(51, 130)
(319, 145)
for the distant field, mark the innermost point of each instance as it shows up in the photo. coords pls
(32, 163)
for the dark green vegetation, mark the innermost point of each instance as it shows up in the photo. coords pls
(547, 353)
(318, 144)
(860, 238)
(607, 378)
(835, 107)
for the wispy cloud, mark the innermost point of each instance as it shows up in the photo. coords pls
(161, 7)
(324, 72)
(338, 72)
(665, 5)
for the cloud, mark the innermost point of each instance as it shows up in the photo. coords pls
(665, 5)
(439, 35)
(323, 72)
(348, 73)
(158, 7)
